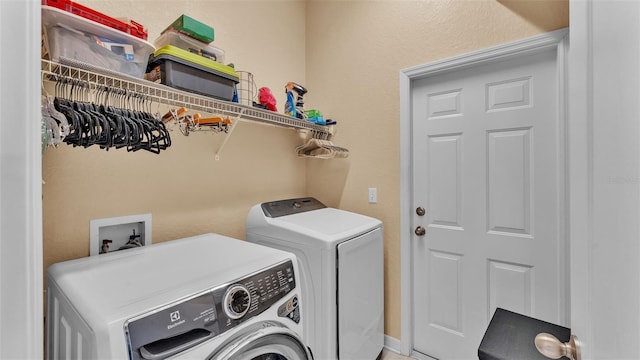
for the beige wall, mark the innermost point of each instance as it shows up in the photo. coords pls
(347, 53)
(355, 51)
(184, 188)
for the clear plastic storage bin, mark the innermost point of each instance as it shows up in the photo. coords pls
(72, 39)
(185, 42)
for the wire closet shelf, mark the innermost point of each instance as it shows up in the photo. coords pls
(96, 78)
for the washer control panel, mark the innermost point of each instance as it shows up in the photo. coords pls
(279, 208)
(254, 294)
(236, 301)
(177, 327)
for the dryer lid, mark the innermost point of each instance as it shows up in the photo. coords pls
(327, 224)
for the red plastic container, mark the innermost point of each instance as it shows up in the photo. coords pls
(133, 28)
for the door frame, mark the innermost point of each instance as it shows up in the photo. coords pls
(21, 254)
(556, 39)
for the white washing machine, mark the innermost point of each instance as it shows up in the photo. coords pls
(342, 266)
(204, 297)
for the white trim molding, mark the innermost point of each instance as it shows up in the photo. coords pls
(553, 40)
(581, 171)
(392, 344)
(526, 46)
(21, 269)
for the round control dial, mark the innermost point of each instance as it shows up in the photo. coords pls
(236, 301)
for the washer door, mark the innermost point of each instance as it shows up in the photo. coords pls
(264, 341)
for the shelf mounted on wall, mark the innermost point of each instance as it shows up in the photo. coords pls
(96, 78)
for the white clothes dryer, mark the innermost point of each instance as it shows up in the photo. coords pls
(341, 261)
(204, 297)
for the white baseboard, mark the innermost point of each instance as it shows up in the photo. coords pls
(393, 344)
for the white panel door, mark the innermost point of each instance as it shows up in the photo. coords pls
(487, 170)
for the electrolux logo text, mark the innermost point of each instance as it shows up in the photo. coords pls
(175, 319)
(175, 316)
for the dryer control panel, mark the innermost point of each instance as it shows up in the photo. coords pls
(274, 209)
(177, 327)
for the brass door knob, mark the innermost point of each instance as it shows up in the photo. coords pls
(549, 346)
(420, 231)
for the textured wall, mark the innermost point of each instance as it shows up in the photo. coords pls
(355, 51)
(184, 188)
(347, 53)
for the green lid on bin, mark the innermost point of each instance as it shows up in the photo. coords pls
(197, 59)
(193, 28)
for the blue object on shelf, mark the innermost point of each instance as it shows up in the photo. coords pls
(317, 120)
